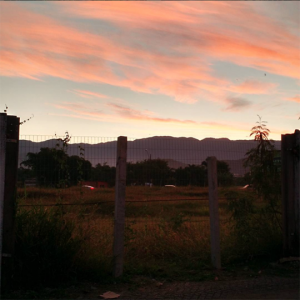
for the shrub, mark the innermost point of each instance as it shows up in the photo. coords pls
(45, 248)
(253, 230)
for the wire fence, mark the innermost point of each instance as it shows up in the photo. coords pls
(166, 177)
(166, 207)
(80, 171)
(52, 161)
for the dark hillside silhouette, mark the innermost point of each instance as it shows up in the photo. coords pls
(178, 151)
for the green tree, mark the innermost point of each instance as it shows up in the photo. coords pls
(79, 169)
(47, 166)
(53, 167)
(154, 171)
(191, 175)
(257, 227)
(104, 173)
(264, 173)
(225, 177)
(260, 160)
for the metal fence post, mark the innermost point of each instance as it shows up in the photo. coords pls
(3, 120)
(119, 223)
(214, 212)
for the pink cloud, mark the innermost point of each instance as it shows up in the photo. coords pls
(170, 49)
(294, 99)
(253, 87)
(133, 114)
(117, 113)
(125, 114)
(81, 110)
(89, 94)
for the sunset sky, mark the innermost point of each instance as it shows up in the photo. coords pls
(140, 69)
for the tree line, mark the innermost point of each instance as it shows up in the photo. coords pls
(54, 167)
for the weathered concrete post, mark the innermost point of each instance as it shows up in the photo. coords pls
(214, 212)
(297, 189)
(119, 224)
(10, 189)
(3, 120)
(290, 153)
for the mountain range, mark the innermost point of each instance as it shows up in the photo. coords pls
(179, 152)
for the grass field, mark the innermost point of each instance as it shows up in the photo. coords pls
(167, 232)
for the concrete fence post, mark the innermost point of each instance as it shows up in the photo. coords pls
(119, 222)
(297, 189)
(10, 193)
(290, 156)
(3, 120)
(214, 212)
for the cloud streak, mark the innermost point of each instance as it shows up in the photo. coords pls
(165, 48)
(89, 94)
(117, 113)
(133, 114)
(294, 99)
(253, 87)
(237, 104)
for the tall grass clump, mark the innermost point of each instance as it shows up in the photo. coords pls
(253, 229)
(256, 216)
(45, 247)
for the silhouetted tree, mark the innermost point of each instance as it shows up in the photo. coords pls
(79, 169)
(225, 177)
(104, 173)
(154, 171)
(191, 175)
(47, 165)
(53, 167)
(260, 160)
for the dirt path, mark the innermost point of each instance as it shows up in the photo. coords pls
(260, 288)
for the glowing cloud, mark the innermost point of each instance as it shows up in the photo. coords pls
(133, 114)
(89, 94)
(151, 47)
(294, 99)
(253, 87)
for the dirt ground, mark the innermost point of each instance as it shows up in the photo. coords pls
(261, 287)
(281, 281)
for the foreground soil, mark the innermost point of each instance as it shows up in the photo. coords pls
(280, 282)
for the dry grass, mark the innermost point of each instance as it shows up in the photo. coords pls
(161, 237)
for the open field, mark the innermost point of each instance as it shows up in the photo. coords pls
(167, 231)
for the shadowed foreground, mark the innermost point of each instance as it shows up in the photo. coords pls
(263, 287)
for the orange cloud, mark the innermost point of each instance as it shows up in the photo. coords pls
(89, 94)
(81, 110)
(157, 47)
(125, 114)
(253, 87)
(295, 99)
(133, 114)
